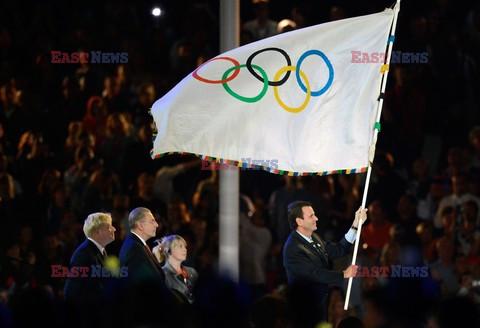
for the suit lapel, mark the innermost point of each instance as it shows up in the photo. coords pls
(154, 259)
(309, 247)
(319, 253)
(149, 253)
(96, 253)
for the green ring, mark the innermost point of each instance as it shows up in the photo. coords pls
(242, 98)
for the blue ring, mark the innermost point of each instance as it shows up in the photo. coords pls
(330, 72)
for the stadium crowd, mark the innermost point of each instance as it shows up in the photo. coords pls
(76, 139)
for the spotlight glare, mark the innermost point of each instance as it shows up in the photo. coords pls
(156, 11)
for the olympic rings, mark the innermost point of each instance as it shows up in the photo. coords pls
(262, 77)
(275, 83)
(234, 75)
(242, 98)
(280, 102)
(330, 71)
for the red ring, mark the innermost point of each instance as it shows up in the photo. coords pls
(234, 75)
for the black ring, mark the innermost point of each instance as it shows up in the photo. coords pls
(272, 83)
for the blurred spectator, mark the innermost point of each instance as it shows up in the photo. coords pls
(77, 178)
(113, 149)
(101, 188)
(376, 308)
(17, 269)
(336, 312)
(178, 218)
(144, 197)
(140, 150)
(449, 222)
(428, 206)
(73, 140)
(269, 312)
(164, 186)
(112, 94)
(255, 242)
(33, 158)
(426, 236)
(57, 209)
(336, 13)
(347, 198)
(468, 234)
(195, 46)
(146, 98)
(390, 254)
(286, 25)
(50, 179)
(95, 118)
(262, 26)
(458, 196)
(407, 219)
(475, 142)
(405, 107)
(5, 145)
(375, 234)
(443, 269)
(386, 185)
(12, 117)
(9, 190)
(420, 181)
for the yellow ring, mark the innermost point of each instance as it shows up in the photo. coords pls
(275, 90)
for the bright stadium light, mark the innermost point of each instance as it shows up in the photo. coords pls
(156, 12)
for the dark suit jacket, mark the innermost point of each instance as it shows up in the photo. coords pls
(83, 289)
(176, 282)
(142, 264)
(306, 265)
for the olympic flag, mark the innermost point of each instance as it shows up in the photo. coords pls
(297, 100)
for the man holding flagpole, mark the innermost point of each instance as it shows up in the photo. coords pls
(306, 256)
(300, 99)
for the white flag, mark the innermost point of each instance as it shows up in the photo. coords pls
(301, 102)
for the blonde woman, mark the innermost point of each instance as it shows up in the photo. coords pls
(179, 278)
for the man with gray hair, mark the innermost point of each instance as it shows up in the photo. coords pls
(135, 253)
(82, 287)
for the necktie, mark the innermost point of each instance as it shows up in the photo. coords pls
(317, 248)
(148, 248)
(104, 255)
(151, 254)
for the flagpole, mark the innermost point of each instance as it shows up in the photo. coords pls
(371, 155)
(229, 185)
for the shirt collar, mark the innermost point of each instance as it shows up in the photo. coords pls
(305, 237)
(100, 248)
(143, 241)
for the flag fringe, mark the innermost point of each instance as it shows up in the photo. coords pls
(246, 166)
